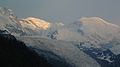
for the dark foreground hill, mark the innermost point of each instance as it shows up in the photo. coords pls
(14, 53)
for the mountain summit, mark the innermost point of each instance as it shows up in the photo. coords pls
(92, 29)
(99, 25)
(35, 23)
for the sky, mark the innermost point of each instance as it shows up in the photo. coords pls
(65, 11)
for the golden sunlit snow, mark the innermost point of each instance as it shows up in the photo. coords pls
(37, 23)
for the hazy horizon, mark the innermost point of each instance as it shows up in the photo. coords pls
(65, 10)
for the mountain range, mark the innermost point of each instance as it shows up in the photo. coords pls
(87, 42)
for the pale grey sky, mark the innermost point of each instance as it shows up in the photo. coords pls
(65, 10)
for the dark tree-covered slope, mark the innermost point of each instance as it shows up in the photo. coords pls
(14, 53)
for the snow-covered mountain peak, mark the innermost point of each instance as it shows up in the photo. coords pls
(6, 11)
(35, 23)
(93, 30)
(9, 22)
(98, 25)
(96, 21)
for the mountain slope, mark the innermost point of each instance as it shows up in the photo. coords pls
(14, 53)
(9, 22)
(35, 23)
(65, 50)
(93, 30)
